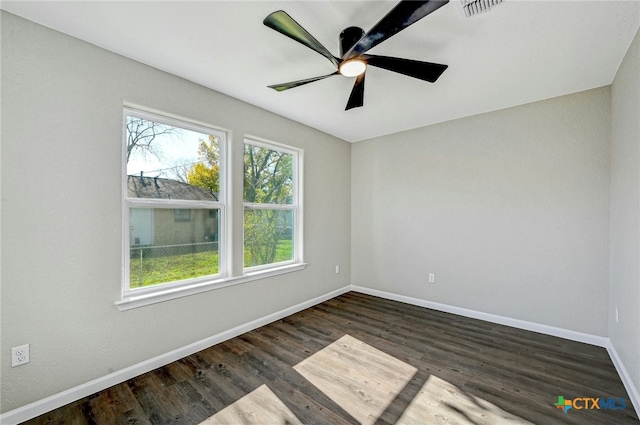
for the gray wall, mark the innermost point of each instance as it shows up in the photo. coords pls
(62, 213)
(509, 209)
(624, 275)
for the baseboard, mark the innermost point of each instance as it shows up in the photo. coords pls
(634, 395)
(599, 341)
(55, 401)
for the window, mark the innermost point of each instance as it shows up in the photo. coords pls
(177, 224)
(182, 215)
(173, 215)
(272, 217)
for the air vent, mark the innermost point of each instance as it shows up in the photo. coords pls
(475, 7)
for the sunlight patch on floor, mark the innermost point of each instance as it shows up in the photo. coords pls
(256, 408)
(440, 402)
(361, 379)
(364, 381)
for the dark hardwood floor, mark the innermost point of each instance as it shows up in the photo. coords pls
(358, 359)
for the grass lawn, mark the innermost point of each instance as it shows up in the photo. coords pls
(151, 271)
(284, 250)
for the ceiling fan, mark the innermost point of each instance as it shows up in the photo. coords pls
(354, 44)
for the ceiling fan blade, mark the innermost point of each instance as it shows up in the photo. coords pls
(292, 84)
(356, 98)
(426, 71)
(284, 24)
(400, 17)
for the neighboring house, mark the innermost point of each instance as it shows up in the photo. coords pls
(170, 226)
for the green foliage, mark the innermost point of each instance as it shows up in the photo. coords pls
(264, 233)
(284, 250)
(268, 176)
(206, 173)
(268, 179)
(204, 176)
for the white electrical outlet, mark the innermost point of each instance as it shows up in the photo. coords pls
(432, 278)
(19, 355)
(337, 269)
(617, 316)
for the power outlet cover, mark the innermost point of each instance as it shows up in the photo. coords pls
(19, 355)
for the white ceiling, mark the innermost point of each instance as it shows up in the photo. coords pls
(519, 52)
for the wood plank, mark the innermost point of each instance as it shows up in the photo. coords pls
(261, 406)
(359, 359)
(360, 378)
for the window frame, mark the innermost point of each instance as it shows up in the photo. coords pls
(128, 203)
(297, 164)
(231, 269)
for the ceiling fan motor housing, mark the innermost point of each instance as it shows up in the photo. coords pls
(348, 38)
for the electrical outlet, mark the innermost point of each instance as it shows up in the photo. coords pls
(337, 269)
(19, 355)
(617, 316)
(432, 278)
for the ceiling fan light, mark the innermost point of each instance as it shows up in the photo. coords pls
(352, 68)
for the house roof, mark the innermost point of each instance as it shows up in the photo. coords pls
(159, 188)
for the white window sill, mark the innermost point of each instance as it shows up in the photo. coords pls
(134, 301)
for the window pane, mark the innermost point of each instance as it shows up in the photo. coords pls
(268, 237)
(167, 162)
(268, 176)
(164, 249)
(182, 215)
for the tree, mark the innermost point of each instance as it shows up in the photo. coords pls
(268, 179)
(141, 133)
(179, 169)
(206, 172)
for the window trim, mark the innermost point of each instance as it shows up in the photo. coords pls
(127, 293)
(167, 294)
(140, 297)
(296, 206)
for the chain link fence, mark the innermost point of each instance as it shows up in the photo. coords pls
(156, 251)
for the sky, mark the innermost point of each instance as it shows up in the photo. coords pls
(179, 148)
